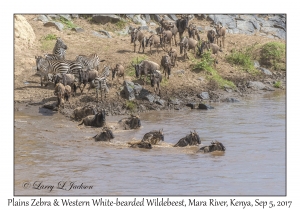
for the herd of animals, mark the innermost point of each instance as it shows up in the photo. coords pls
(67, 75)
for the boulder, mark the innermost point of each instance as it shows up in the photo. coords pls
(173, 17)
(59, 26)
(245, 27)
(145, 94)
(204, 95)
(192, 105)
(225, 20)
(129, 90)
(256, 85)
(100, 35)
(67, 17)
(78, 30)
(43, 18)
(156, 18)
(147, 18)
(160, 102)
(174, 101)
(105, 33)
(103, 19)
(138, 20)
(205, 106)
(256, 64)
(264, 70)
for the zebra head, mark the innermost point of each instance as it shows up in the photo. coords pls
(60, 44)
(41, 64)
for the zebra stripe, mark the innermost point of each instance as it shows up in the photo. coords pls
(46, 67)
(91, 61)
(99, 83)
(60, 48)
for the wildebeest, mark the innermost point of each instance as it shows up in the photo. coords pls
(191, 139)
(215, 146)
(220, 33)
(153, 40)
(156, 79)
(97, 120)
(166, 63)
(173, 28)
(182, 24)
(137, 34)
(166, 37)
(105, 135)
(118, 71)
(214, 48)
(153, 137)
(82, 112)
(211, 34)
(140, 144)
(66, 79)
(132, 122)
(87, 77)
(62, 94)
(145, 68)
(193, 32)
(172, 52)
(186, 44)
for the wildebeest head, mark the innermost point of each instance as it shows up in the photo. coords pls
(137, 68)
(183, 44)
(105, 135)
(194, 138)
(134, 122)
(204, 46)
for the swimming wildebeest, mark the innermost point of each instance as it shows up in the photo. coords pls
(132, 122)
(145, 68)
(97, 120)
(82, 112)
(215, 146)
(140, 144)
(137, 34)
(105, 135)
(153, 137)
(155, 79)
(191, 139)
(220, 33)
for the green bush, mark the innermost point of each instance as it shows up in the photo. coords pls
(50, 37)
(121, 24)
(67, 23)
(273, 55)
(243, 59)
(277, 84)
(130, 105)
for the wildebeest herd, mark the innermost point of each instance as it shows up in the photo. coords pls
(68, 75)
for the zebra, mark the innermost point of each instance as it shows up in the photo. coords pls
(45, 67)
(89, 62)
(60, 48)
(99, 83)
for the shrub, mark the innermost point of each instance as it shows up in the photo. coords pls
(243, 59)
(272, 54)
(130, 105)
(277, 84)
(50, 37)
(67, 23)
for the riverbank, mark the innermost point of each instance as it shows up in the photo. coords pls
(187, 87)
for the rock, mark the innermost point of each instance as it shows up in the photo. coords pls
(204, 106)
(67, 17)
(74, 15)
(105, 33)
(153, 24)
(50, 105)
(166, 18)
(78, 30)
(137, 89)
(225, 20)
(130, 16)
(123, 32)
(145, 94)
(192, 105)
(245, 27)
(173, 17)
(129, 90)
(59, 26)
(256, 85)
(265, 71)
(174, 101)
(204, 95)
(256, 64)
(179, 71)
(232, 100)
(144, 28)
(103, 19)
(156, 18)
(95, 33)
(147, 18)
(138, 20)
(200, 29)
(52, 17)
(24, 35)
(43, 18)
(160, 102)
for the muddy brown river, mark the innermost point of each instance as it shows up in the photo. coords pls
(54, 156)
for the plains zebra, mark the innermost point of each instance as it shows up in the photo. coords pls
(60, 48)
(45, 67)
(89, 62)
(99, 83)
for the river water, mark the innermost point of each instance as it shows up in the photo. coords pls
(54, 156)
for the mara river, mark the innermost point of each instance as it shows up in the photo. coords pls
(54, 156)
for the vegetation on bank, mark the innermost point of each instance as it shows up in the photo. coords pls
(206, 63)
(273, 55)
